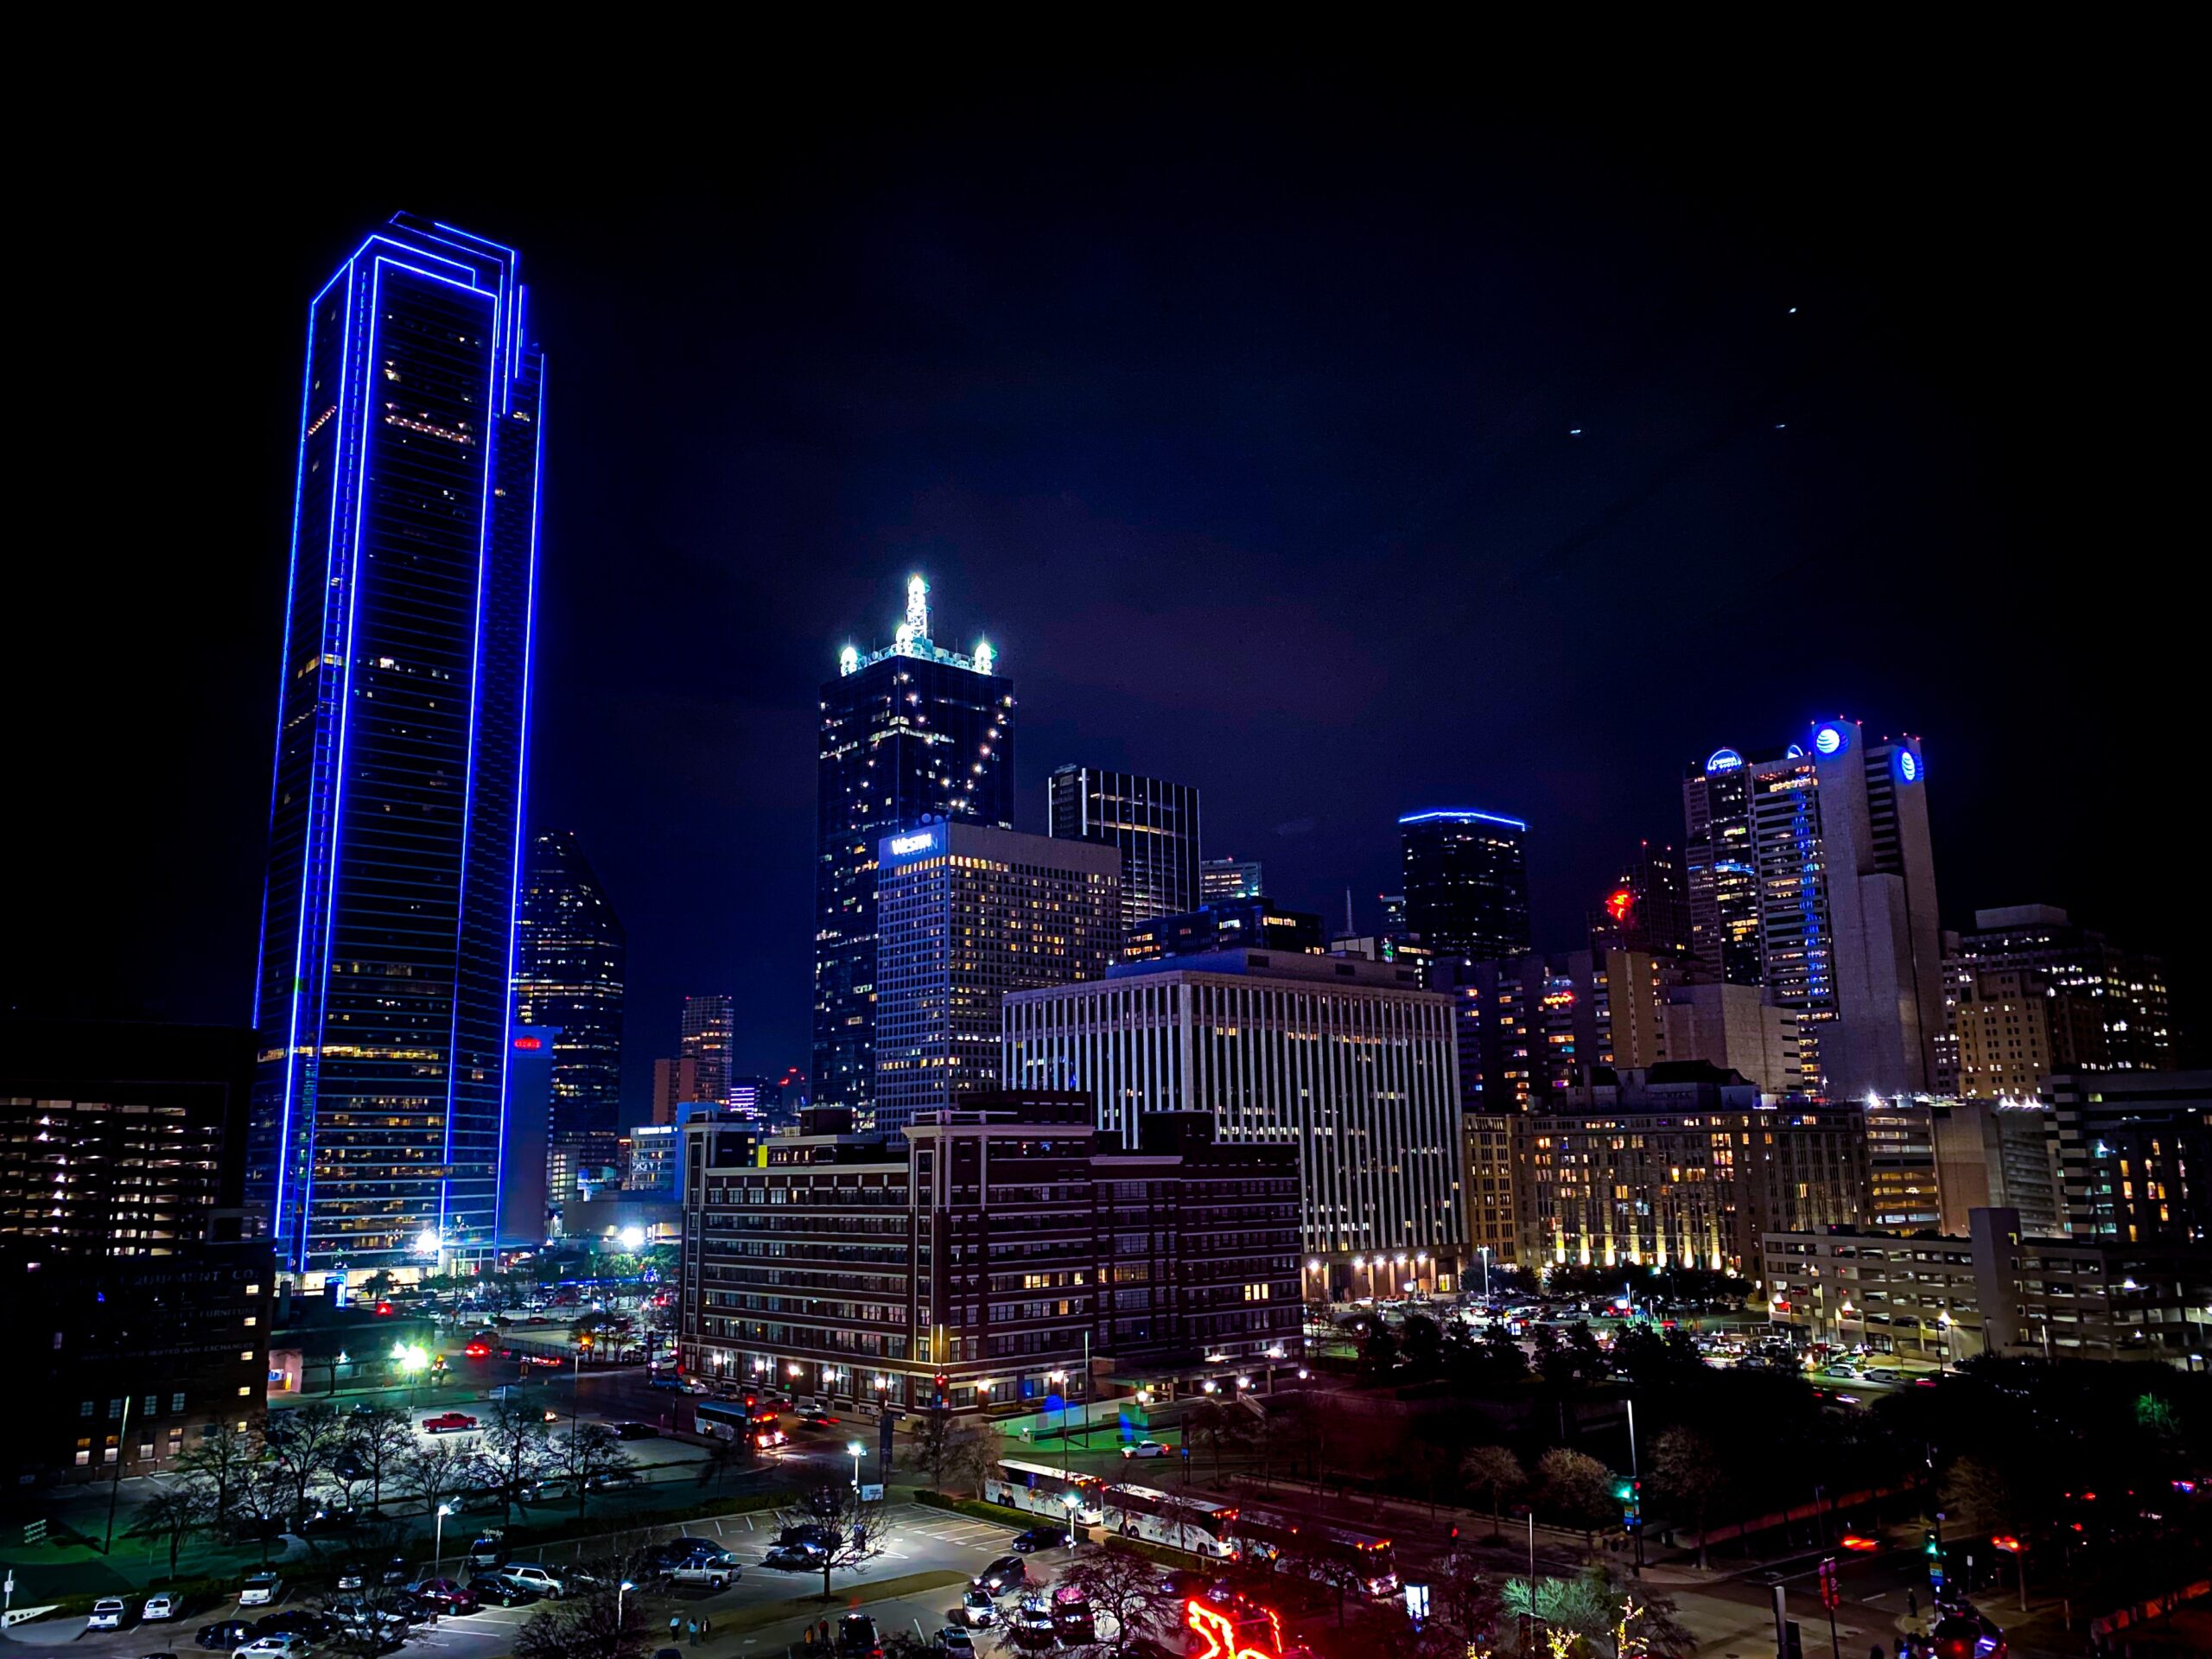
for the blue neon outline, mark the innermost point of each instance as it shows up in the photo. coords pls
(1461, 813)
(522, 797)
(1842, 739)
(1723, 759)
(314, 831)
(468, 800)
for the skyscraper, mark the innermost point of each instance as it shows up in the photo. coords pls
(1719, 871)
(1467, 884)
(1646, 908)
(569, 954)
(395, 845)
(2126, 988)
(709, 1030)
(1848, 921)
(1221, 878)
(964, 915)
(1153, 824)
(909, 733)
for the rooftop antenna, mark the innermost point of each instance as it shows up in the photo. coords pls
(918, 605)
(1350, 928)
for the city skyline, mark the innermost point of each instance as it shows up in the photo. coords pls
(1319, 624)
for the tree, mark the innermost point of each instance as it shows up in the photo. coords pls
(437, 1471)
(1212, 1422)
(1388, 1632)
(958, 1455)
(1127, 1588)
(514, 1453)
(300, 1445)
(1494, 1472)
(1984, 1496)
(261, 1505)
(1502, 1358)
(379, 1439)
(856, 1523)
(591, 1454)
(1471, 1599)
(1576, 1489)
(171, 1515)
(602, 1623)
(1594, 1608)
(1686, 1470)
(220, 1458)
(1378, 1347)
(1423, 1342)
(1332, 1573)
(1584, 1355)
(1640, 1354)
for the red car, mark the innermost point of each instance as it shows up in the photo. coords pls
(478, 1351)
(448, 1422)
(445, 1594)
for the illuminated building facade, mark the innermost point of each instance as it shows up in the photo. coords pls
(2126, 989)
(1535, 1025)
(1646, 909)
(2011, 1027)
(709, 1029)
(1233, 924)
(2135, 1154)
(570, 953)
(1719, 872)
(395, 847)
(966, 915)
(1221, 878)
(1741, 1027)
(1849, 932)
(1466, 883)
(1152, 824)
(911, 732)
(1349, 1062)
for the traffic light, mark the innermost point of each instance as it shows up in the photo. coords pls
(1631, 1494)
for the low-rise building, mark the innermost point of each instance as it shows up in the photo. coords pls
(997, 1254)
(1943, 1299)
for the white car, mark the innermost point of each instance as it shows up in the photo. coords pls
(260, 1589)
(161, 1606)
(285, 1644)
(1144, 1449)
(530, 1576)
(108, 1614)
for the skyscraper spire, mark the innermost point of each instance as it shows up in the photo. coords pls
(918, 605)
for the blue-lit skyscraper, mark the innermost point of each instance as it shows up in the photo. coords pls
(394, 833)
(1466, 883)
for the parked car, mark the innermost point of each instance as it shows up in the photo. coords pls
(636, 1431)
(674, 1384)
(817, 1420)
(284, 1645)
(352, 1575)
(1032, 1622)
(716, 1569)
(489, 1549)
(794, 1558)
(448, 1595)
(260, 1589)
(977, 1608)
(1008, 1572)
(224, 1633)
(856, 1637)
(1144, 1449)
(531, 1576)
(448, 1422)
(1072, 1618)
(955, 1641)
(108, 1614)
(167, 1605)
(1038, 1538)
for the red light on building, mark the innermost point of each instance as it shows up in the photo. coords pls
(530, 1042)
(1619, 903)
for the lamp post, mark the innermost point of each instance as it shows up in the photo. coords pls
(438, 1554)
(855, 1450)
(1484, 1252)
(1059, 1380)
(1944, 1320)
(1074, 1502)
(620, 1590)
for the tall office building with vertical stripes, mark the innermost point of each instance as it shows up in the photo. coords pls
(395, 830)
(1350, 1062)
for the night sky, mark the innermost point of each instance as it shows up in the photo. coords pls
(1243, 425)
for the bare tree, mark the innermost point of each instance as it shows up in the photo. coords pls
(602, 1623)
(957, 1456)
(171, 1515)
(1494, 1472)
(591, 1454)
(220, 1458)
(514, 1453)
(379, 1439)
(1686, 1469)
(1215, 1422)
(1116, 1580)
(300, 1445)
(436, 1471)
(261, 1499)
(855, 1525)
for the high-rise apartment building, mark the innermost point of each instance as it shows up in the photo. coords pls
(1646, 909)
(705, 1038)
(2126, 990)
(965, 915)
(569, 961)
(910, 733)
(2134, 1148)
(1538, 1025)
(1222, 879)
(1719, 871)
(1466, 883)
(387, 955)
(2011, 1027)
(1152, 824)
(1848, 922)
(1348, 1061)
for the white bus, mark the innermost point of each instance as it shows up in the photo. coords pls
(1044, 1491)
(1197, 1524)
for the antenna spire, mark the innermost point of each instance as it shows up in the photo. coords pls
(918, 605)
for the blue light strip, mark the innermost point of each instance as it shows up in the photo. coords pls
(468, 799)
(522, 796)
(1462, 812)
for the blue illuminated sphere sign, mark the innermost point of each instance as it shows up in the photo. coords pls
(1908, 767)
(1829, 740)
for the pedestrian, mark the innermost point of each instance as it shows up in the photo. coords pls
(1875, 1652)
(706, 1630)
(808, 1643)
(675, 1624)
(691, 1631)
(1911, 1603)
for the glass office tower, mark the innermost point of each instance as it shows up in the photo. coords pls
(395, 839)
(1466, 883)
(1154, 825)
(569, 956)
(910, 733)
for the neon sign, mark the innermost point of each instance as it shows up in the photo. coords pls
(1219, 1633)
(1619, 904)
(1829, 740)
(1723, 760)
(902, 845)
(530, 1042)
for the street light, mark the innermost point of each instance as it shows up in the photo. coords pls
(1059, 1380)
(1074, 1502)
(1483, 1250)
(854, 1449)
(438, 1556)
(620, 1590)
